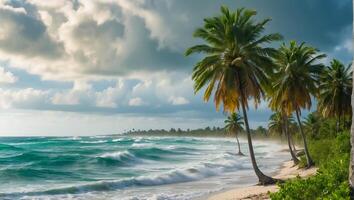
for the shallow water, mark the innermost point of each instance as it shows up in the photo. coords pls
(116, 167)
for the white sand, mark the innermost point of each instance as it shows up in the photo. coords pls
(261, 192)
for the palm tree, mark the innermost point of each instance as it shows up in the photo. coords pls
(235, 65)
(312, 124)
(295, 82)
(335, 91)
(275, 124)
(279, 122)
(234, 125)
(261, 130)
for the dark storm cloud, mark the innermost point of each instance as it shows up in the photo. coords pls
(24, 34)
(106, 38)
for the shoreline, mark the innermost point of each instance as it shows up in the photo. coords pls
(286, 171)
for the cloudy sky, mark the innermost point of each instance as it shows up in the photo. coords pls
(84, 67)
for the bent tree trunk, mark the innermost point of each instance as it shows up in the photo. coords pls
(263, 179)
(307, 154)
(239, 148)
(286, 130)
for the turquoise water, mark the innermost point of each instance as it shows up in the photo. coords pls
(116, 167)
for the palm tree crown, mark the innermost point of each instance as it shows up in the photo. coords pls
(296, 77)
(335, 90)
(276, 122)
(237, 61)
(234, 123)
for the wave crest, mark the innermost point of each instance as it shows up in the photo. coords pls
(200, 171)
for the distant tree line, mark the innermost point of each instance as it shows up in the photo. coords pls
(200, 132)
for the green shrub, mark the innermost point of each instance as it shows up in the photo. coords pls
(327, 148)
(330, 182)
(328, 129)
(343, 143)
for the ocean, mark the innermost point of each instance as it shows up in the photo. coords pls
(128, 168)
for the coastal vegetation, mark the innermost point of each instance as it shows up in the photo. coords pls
(331, 155)
(200, 132)
(241, 65)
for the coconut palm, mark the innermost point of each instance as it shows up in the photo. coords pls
(234, 125)
(235, 65)
(295, 82)
(279, 122)
(275, 124)
(335, 91)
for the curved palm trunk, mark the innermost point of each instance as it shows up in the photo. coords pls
(263, 179)
(239, 147)
(307, 154)
(286, 130)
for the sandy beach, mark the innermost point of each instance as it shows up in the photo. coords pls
(287, 171)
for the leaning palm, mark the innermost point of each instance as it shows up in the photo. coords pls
(235, 65)
(295, 82)
(279, 122)
(335, 91)
(234, 125)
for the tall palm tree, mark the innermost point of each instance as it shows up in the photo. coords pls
(234, 125)
(280, 122)
(295, 82)
(235, 65)
(335, 91)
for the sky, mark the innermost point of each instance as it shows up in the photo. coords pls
(88, 67)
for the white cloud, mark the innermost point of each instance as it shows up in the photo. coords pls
(28, 97)
(107, 98)
(7, 77)
(125, 94)
(70, 98)
(344, 50)
(153, 21)
(178, 100)
(136, 102)
(346, 45)
(81, 90)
